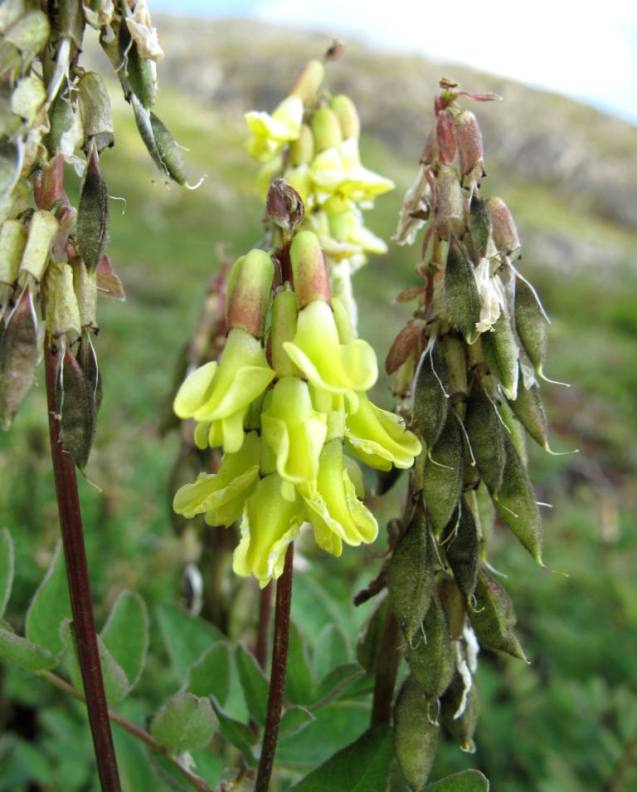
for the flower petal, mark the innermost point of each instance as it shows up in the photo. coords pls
(194, 390)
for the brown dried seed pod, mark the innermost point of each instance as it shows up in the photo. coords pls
(431, 657)
(443, 475)
(463, 549)
(92, 215)
(531, 324)
(461, 728)
(461, 292)
(493, 617)
(416, 734)
(486, 435)
(430, 402)
(18, 358)
(501, 353)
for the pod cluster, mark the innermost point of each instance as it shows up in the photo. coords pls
(466, 368)
(312, 141)
(53, 258)
(287, 404)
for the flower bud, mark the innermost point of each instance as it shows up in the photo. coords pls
(13, 238)
(443, 476)
(326, 129)
(85, 285)
(430, 401)
(500, 348)
(95, 110)
(486, 436)
(430, 151)
(461, 292)
(431, 658)
(18, 358)
(62, 310)
(284, 206)
(493, 618)
(529, 410)
(445, 137)
(462, 545)
(284, 316)
(92, 214)
(309, 81)
(308, 269)
(249, 288)
(42, 230)
(531, 324)
(416, 734)
(469, 139)
(505, 232)
(407, 342)
(302, 150)
(347, 115)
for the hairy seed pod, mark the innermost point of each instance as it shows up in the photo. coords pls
(484, 512)
(142, 76)
(92, 214)
(430, 401)
(501, 354)
(505, 232)
(461, 728)
(42, 229)
(514, 430)
(456, 359)
(454, 606)
(18, 358)
(95, 111)
(469, 137)
(463, 549)
(411, 575)
(309, 81)
(446, 138)
(479, 226)
(531, 324)
(493, 617)
(347, 115)
(461, 292)
(145, 129)
(326, 129)
(368, 646)
(416, 734)
(443, 475)
(77, 424)
(87, 359)
(529, 410)
(516, 503)
(13, 238)
(486, 435)
(431, 657)
(169, 151)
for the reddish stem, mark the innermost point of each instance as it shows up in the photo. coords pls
(277, 674)
(265, 610)
(79, 589)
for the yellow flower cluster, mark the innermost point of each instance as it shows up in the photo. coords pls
(286, 399)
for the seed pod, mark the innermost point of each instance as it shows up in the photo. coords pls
(479, 226)
(486, 435)
(18, 358)
(493, 618)
(461, 292)
(13, 238)
(42, 229)
(456, 359)
(62, 310)
(87, 359)
(449, 203)
(92, 215)
(85, 285)
(484, 512)
(514, 430)
(411, 575)
(531, 324)
(463, 549)
(530, 412)
(505, 232)
(142, 76)
(416, 734)
(29, 34)
(326, 129)
(501, 354)
(453, 604)
(95, 111)
(169, 151)
(145, 129)
(308, 269)
(77, 425)
(431, 658)
(302, 149)
(445, 137)
(469, 137)
(368, 646)
(309, 81)
(406, 343)
(430, 403)
(443, 475)
(461, 728)
(108, 281)
(347, 115)
(516, 503)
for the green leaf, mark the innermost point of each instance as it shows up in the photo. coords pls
(237, 733)
(186, 637)
(49, 606)
(184, 722)
(332, 649)
(210, 675)
(14, 649)
(6, 568)
(125, 635)
(294, 720)
(362, 766)
(116, 685)
(336, 683)
(298, 680)
(254, 684)
(468, 781)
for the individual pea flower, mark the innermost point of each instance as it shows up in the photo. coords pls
(271, 132)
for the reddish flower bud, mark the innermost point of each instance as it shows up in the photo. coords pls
(308, 269)
(249, 287)
(445, 137)
(284, 205)
(469, 139)
(505, 232)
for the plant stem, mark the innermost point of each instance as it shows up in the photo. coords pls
(79, 589)
(385, 681)
(277, 674)
(132, 728)
(265, 609)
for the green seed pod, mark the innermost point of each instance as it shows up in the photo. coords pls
(326, 129)
(454, 606)
(456, 359)
(461, 728)
(85, 285)
(479, 226)
(514, 429)
(92, 215)
(461, 292)
(145, 129)
(142, 76)
(486, 435)
(431, 658)
(284, 317)
(493, 618)
(13, 238)
(42, 230)
(463, 549)
(309, 81)
(430, 402)
(347, 115)
(77, 425)
(531, 324)
(416, 734)
(500, 348)
(87, 359)
(62, 310)
(18, 358)
(302, 149)
(169, 151)
(516, 503)
(484, 513)
(95, 111)
(411, 575)
(529, 410)
(368, 645)
(29, 34)
(443, 475)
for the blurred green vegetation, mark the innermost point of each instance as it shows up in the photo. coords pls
(566, 722)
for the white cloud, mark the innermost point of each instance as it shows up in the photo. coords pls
(585, 50)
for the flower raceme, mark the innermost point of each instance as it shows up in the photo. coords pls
(285, 402)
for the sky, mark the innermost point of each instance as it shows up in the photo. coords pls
(581, 49)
